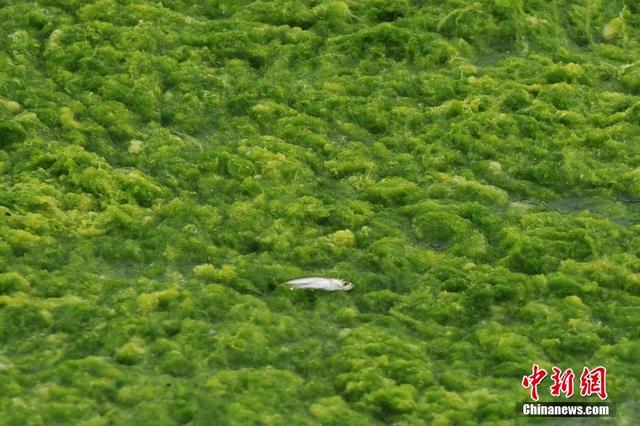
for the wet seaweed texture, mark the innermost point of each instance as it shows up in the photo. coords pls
(473, 167)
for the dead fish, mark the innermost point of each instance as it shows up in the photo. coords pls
(320, 283)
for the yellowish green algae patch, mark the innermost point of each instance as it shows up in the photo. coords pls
(472, 167)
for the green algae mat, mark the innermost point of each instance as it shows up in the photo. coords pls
(472, 167)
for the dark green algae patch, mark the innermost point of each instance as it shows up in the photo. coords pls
(472, 167)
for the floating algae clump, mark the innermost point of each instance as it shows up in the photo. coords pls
(473, 167)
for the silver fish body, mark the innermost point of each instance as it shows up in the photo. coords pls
(320, 283)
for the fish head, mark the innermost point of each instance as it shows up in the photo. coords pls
(346, 285)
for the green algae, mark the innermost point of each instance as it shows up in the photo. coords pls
(471, 167)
